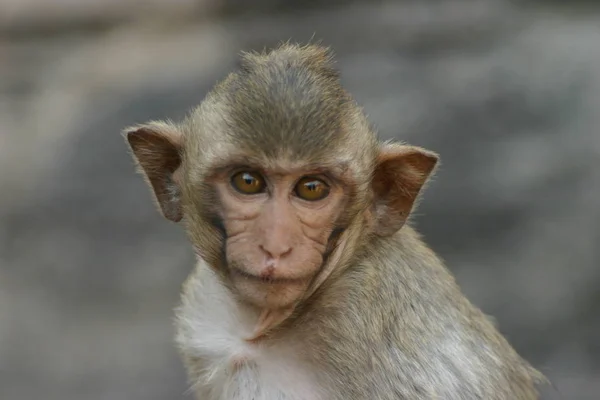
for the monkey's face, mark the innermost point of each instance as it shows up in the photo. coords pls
(278, 226)
(315, 170)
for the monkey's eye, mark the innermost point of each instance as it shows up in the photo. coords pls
(311, 189)
(248, 182)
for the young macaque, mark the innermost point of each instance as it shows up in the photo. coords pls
(310, 284)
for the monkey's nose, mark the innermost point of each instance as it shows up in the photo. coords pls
(275, 252)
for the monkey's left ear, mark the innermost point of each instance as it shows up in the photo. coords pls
(156, 147)
(400, 174)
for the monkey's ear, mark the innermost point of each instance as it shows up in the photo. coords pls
(400, 174)
(156, 148)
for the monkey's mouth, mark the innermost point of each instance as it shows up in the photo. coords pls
(268, 279)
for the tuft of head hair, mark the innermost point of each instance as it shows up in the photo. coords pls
(314, 57)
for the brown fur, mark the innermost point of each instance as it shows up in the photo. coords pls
(382, 318)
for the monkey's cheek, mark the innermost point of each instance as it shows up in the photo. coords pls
(270, 295)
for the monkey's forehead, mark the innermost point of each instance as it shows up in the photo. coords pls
(225, 156)
(287, 112)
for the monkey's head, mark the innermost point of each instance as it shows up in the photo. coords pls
(278, 177)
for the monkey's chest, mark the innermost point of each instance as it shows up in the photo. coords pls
(258, 373)
(270, 376)
(222, 365)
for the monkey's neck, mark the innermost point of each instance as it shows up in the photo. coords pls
(268, 320)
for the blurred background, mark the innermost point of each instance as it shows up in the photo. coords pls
(507, 93)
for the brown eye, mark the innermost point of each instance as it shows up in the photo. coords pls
(311, 189)
(248, 182)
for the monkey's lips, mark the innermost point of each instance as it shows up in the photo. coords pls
(269, 278)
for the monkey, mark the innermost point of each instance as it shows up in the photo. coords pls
(311, 282)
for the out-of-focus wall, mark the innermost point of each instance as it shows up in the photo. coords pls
(89, 271)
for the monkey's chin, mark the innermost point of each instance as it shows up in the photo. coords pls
(265, 294)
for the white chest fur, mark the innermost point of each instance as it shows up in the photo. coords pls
(211, 327)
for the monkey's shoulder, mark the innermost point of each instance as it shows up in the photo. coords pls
(420, 337)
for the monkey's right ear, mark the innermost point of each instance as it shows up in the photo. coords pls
(156, 148)
(400, 174)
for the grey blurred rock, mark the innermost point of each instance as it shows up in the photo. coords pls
(23, 15)
(89, 271)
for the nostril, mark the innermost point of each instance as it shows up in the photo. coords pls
(286, 252)
(260, 246)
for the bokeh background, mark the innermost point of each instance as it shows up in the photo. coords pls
(507, 93)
